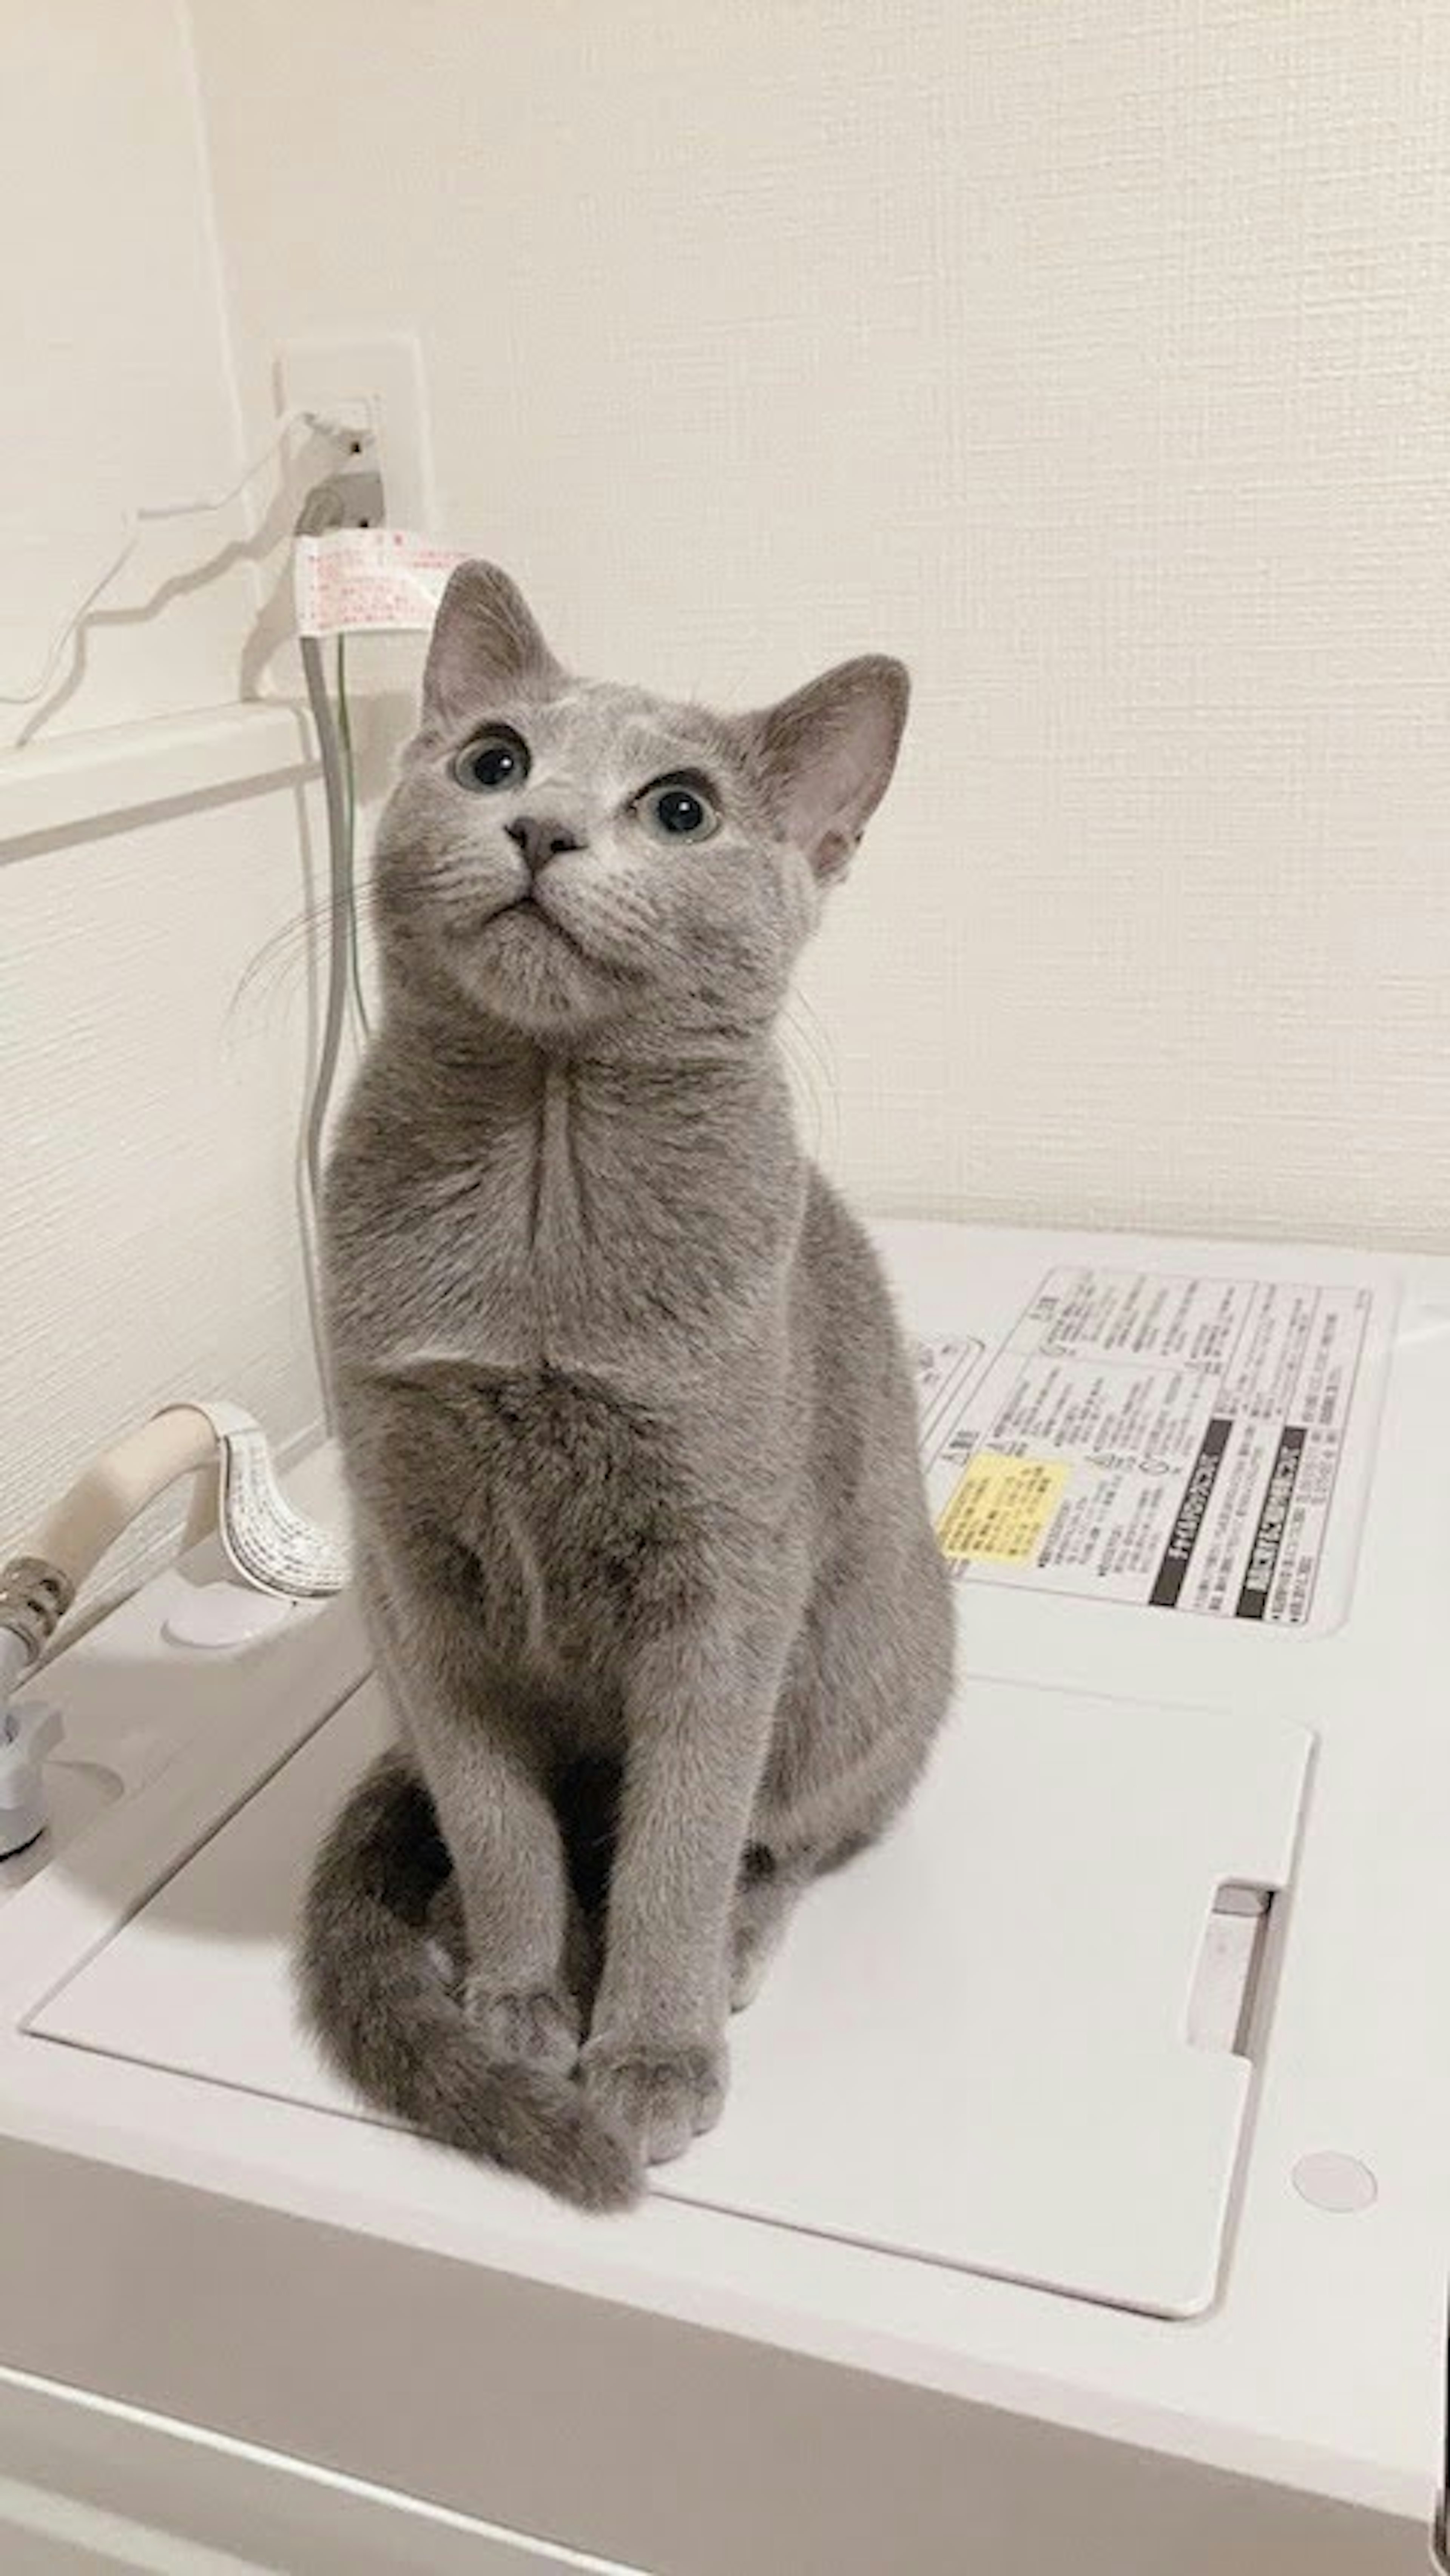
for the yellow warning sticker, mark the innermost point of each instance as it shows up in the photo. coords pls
(1002, 1508)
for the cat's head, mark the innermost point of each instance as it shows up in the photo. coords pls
(562, 855)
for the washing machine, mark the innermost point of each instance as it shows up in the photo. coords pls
(1082, 2199)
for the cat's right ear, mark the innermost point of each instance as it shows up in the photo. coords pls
(486, 646)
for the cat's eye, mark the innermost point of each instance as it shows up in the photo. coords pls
(495, 760)
(679, 809)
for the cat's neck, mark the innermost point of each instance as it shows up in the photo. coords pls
(454, 1053)
(469, 1090)
(602, 1207)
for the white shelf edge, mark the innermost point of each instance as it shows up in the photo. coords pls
(122, 769)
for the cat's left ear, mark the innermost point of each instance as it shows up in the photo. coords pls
(828, 754)
(486, 645)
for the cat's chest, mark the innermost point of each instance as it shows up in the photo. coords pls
(585, 1516)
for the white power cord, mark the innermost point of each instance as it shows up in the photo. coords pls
(153, 512)
(323, 509)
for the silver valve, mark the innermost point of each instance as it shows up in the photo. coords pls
(31, 1732)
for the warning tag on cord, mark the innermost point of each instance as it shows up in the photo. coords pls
(369, 580)
(1159, 1439)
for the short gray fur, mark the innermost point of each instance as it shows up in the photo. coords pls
(628, 1426)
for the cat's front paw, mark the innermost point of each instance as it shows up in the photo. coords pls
(539, 2027)
(662, 2094)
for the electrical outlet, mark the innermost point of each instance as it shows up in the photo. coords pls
(378, 384)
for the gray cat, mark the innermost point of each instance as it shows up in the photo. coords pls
(631, 1441)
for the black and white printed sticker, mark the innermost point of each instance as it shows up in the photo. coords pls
(1170, 1441)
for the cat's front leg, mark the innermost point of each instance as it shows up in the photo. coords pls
(699, 1717)
(510, 1917)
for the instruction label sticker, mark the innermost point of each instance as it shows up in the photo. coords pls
(1002, 1509)
(1155, 1438)
(354, 581)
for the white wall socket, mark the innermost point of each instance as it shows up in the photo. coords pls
(378, 383)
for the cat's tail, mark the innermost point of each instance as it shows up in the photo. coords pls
(377, 2000)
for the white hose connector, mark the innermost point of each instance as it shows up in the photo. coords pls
(107, 1497)
(267, 1544)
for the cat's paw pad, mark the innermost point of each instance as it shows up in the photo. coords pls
(539, 2027)
(662, 2096)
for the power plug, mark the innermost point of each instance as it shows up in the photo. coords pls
(351, 500)
(378, 385)
(360, 499)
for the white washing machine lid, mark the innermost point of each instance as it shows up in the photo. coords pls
(975, 2046)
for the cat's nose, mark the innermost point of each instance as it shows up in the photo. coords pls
(541, 837)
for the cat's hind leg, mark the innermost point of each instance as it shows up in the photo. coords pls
(766, 1895)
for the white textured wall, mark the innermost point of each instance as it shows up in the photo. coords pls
(115, 384)
(1092, 354)
(149, 1243)
(150, 1106)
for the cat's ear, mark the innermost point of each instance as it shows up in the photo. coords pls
(828, 753)
(486, 644)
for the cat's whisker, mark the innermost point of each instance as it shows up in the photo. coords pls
(280, 965)
(805, 1085)
(810, 1028)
